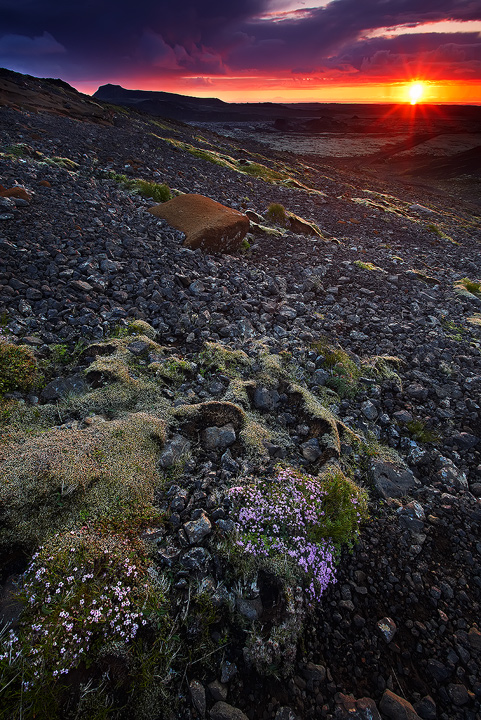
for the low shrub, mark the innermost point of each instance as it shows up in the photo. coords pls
(346, 370)
(472, 286)
(421, 432)
(158, 192)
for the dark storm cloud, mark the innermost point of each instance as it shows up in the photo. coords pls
(307, 41)
(92, 38)
(431, 55)
(112, 36)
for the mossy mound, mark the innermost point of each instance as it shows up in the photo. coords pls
(61, 478)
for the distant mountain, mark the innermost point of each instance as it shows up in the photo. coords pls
(186, 107)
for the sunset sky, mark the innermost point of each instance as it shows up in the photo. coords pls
(252, 50)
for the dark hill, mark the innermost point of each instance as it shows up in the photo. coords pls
(48, 95)
(185, 107)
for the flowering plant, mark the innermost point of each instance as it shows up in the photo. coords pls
(301, 518)
(82, 590)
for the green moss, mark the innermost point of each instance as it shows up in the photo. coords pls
(344, 505)
(266, 230)
(367, 266)
(141, 327)
(20, 419)
(420, 432)
(63, 162)
(116, 399)
(59, 354)
(253, 436)
(262, 171)
(18, 367)
(452, 330)
(252, 169)
(172, 369)
(18, 150)
(215, 356)
(420, 275)
(440, 233)
(237, 392)
(346, 373)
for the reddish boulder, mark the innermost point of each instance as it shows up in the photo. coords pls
(207, 224)
(15, 192)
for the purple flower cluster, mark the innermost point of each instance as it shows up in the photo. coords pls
(79, 600)
(274, 520)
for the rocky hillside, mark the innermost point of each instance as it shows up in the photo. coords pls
(232, 485)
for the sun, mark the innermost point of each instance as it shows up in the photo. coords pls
(415, 92)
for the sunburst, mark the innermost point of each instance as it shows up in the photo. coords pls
(416, 92)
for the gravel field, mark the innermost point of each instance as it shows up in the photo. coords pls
(398, 635)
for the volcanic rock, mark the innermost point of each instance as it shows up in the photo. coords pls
(396, 708)
(392, 480)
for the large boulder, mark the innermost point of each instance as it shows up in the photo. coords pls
(207, 224)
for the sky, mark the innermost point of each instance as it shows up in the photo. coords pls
(252, 50)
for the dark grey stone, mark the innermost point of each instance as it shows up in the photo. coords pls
(394, 707)
(392, 480)
(60, 387)
(198, 529)
(219, 438)
(197, 694)
(195, 559)
(426, 708)
(311, 450)
(174, 450)
(223, 711)
(265, 399)
(138, 347)
(369, 410)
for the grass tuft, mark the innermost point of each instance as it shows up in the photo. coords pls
(145, 188)
(276, 213)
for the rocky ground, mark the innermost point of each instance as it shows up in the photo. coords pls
(80, 257)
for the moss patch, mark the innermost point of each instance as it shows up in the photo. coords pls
(56, 480)
(18, 367)
(368, 266)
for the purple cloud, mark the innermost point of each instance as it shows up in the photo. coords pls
(145, 39)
